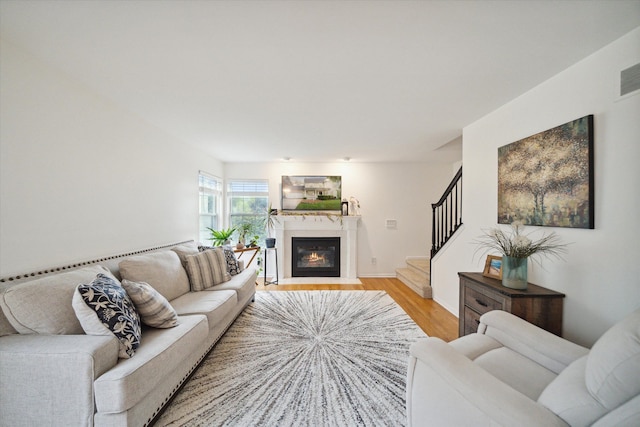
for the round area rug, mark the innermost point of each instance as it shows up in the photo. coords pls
(304, 358)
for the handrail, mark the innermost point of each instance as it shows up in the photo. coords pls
(447, 214)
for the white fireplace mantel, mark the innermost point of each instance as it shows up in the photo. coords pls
(345, 227)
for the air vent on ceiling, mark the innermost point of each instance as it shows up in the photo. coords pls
(630, 80)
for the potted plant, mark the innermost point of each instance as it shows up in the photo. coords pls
(221, 237)
(270, 242)
(243, 230)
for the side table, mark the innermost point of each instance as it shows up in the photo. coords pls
(255, 250)
(266, 252)
(479, 294)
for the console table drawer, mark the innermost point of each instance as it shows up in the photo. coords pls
(480, 303)
(471, 321)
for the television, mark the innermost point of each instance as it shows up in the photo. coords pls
(311, 193)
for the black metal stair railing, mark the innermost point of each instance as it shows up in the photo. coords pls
(447, 214)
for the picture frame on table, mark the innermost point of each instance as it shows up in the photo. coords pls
(493, 267)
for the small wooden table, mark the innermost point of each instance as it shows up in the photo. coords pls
(255, 250)
(479, 294)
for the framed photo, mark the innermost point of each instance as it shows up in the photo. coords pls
(493, 267)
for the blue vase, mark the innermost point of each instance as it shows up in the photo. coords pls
(514, 272)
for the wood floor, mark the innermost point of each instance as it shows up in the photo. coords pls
(434, 319)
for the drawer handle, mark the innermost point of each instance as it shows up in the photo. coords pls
(482, 303)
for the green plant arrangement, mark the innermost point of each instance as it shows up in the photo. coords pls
(516, 248)
(221, 237)
(244, 229)
(519, 245)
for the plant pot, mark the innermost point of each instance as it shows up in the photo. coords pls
(514, 272)
(270, 242)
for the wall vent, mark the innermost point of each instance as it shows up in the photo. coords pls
(630, 80)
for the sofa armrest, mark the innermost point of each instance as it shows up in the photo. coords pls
(543, 347)
(446, 388)
(50, 377)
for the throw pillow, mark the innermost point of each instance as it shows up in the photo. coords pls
(232, 262)
(104, 308)
(207, 269)
(154, 309)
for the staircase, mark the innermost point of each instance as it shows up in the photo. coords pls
(446, 219)
(416, 276)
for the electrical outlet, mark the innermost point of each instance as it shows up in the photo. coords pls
(374, 260)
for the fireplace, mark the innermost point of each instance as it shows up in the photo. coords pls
(315, 257)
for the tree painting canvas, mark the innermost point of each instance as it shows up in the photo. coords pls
(547, 179)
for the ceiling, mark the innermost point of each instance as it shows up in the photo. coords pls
(315, 81)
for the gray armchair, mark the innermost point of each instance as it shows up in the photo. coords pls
(513, 373)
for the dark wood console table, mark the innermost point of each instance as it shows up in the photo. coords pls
(479, 294)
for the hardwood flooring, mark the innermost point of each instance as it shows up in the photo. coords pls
(434, 319)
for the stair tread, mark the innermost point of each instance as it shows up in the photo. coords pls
(421, 264)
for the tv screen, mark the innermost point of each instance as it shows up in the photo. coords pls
(311, 193)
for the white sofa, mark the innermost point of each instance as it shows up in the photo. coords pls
(512, 373)
(51, 373)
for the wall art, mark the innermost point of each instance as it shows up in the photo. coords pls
(547, 179)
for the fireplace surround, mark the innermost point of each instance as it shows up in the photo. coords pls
(345, 227)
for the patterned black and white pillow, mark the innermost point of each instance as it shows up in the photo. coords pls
(104, 308)
(232, 262)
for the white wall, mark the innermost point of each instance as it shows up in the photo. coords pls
(400, 191)
(601, 273)
(81, 178)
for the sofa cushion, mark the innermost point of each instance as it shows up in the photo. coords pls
(567, 396)
(613, 366)
(43, 306)
(162, 352)
(206, 269)
(104, 308)
(162, 270)
(154, 309)
(216, 305)
(244, 284)
(184, 251)
(521, 373)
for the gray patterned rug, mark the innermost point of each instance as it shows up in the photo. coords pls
(304, 358)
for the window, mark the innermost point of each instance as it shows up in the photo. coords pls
(210, 196)
(248, 201)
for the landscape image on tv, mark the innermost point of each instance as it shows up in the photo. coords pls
(311, 193)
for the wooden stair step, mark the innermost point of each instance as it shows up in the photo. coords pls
(417, 281)
(420, 264)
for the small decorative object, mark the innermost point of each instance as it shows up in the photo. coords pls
(355, 206)
(345, 207)
(516, 248)
(493, 267)
(547, 178)
(270, 242)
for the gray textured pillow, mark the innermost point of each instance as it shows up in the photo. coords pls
(207, 269)
(154, 309)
